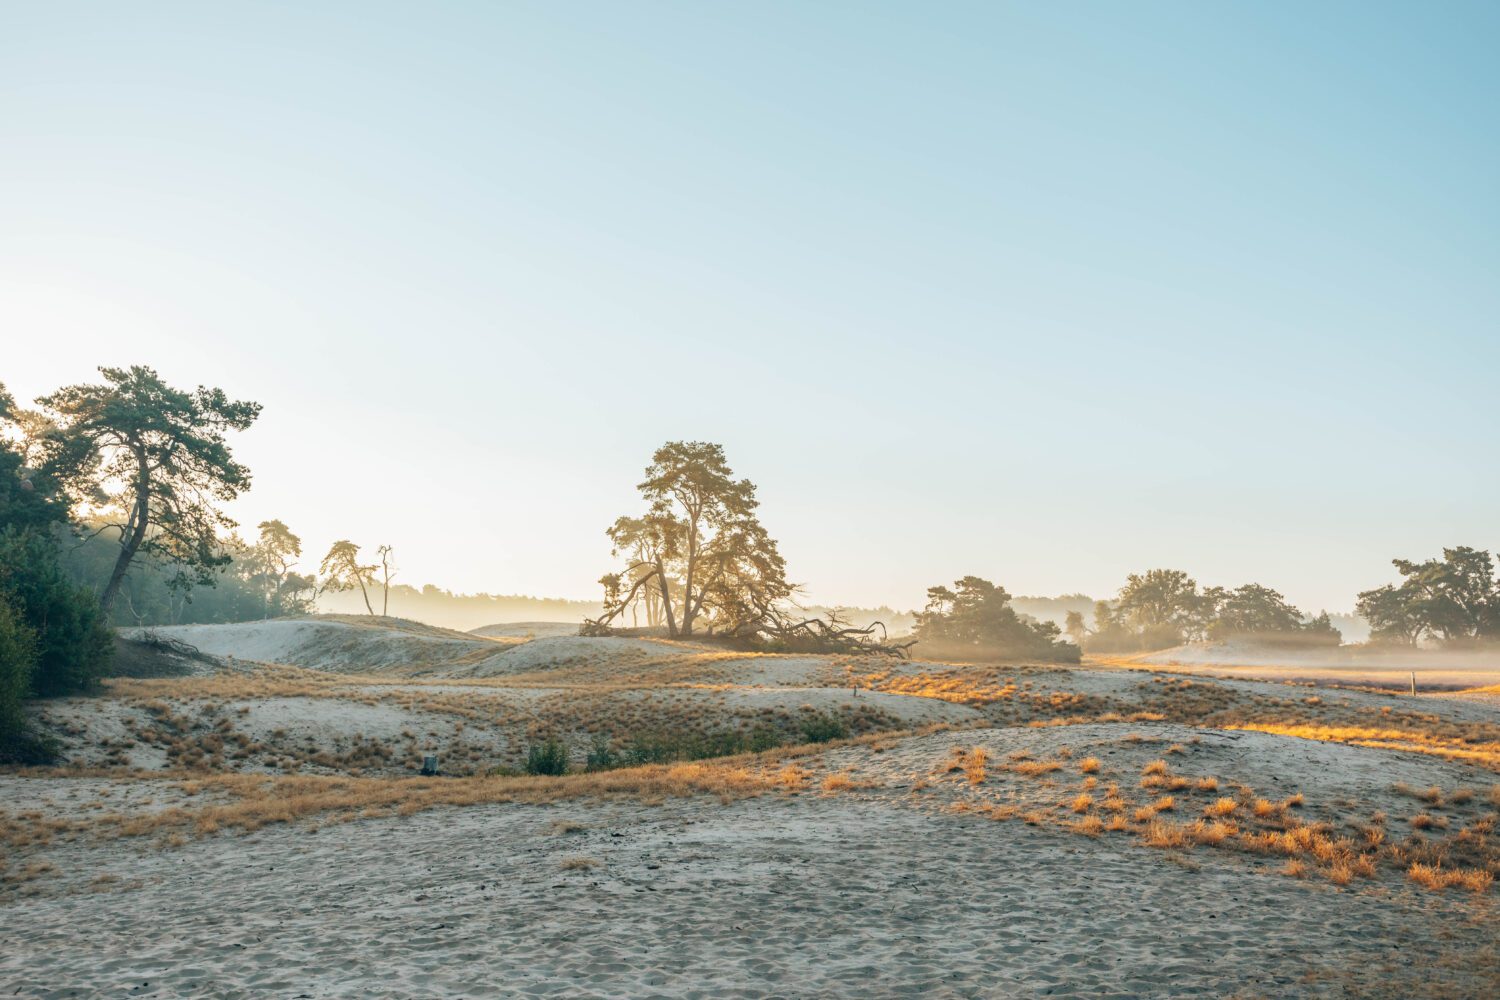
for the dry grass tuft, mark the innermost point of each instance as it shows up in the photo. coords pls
(1223, 806)
(974, 765)
(1213, 833)
(792, 777)
(1164, 834)
(845, 781)
(578, 864)
(1089, 826)
(1434, 876)
(1089, 765)
(1035, 768)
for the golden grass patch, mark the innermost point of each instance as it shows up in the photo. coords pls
(248, 802)
(1436, 877)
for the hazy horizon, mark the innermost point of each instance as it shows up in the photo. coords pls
(1044, 294)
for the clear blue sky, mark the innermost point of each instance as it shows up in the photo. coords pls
(1046, 292)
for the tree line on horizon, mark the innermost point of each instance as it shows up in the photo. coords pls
(1162, 608)
(1452, 602)
(698, 561)
(111, 512)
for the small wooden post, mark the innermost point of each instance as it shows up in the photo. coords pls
(1413, 683)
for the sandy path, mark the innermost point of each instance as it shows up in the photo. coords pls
(1434, 669)
(802, 897)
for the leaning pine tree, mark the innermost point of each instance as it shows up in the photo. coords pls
(155, 461)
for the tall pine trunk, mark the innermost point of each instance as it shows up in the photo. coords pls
(666, 599)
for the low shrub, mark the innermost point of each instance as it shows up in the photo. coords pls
(666, 748)
(72, 647)
(18, 646)
(601, 756)
(550, 757)
(821, 727)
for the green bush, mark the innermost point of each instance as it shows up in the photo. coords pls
(651, 748)
(17, 660)
(821, 727)
(975, 621)
(664, 748)
(550, 757)
(657, 747)
(72, 644)
(601, 756)
(763, 738)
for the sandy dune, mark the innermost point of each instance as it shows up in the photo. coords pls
(565, 651)
(339, 645)
(888, 866)
(526, 630)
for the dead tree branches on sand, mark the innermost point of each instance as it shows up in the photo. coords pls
(790, 630)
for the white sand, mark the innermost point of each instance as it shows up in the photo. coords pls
(877, 895)
(778, 671)
(879, 891)
(527, 630)
(569, 651)
(1450, 669)
(909, 710)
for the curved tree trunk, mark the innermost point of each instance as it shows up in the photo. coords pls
(135, 534)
